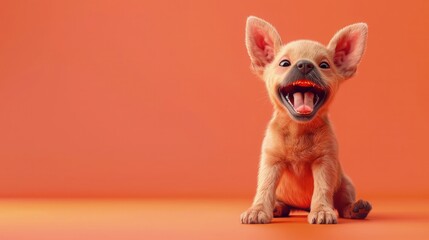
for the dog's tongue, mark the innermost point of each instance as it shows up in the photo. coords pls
(303, 103)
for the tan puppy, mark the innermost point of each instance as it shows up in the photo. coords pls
(299, 166)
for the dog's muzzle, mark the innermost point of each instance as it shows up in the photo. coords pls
(303, 98)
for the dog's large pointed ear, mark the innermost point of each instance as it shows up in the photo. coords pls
(262, 42)
(348, 46)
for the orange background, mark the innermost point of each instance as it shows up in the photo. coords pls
(155, 98)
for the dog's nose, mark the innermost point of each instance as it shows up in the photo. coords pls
(304, 66)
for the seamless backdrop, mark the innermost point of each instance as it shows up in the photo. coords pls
(155, 98)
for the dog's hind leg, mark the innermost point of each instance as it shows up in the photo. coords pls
(281, 209)
(344, 201)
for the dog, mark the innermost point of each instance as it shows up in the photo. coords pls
(299, 167)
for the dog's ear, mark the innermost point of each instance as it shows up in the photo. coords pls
(348, 45)
(262, 42)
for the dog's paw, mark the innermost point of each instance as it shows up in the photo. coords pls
(322, 216)
(256, 215)
(360, 209)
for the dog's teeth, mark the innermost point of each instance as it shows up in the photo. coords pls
(316, 99)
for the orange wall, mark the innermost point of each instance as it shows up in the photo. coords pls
(155, 98)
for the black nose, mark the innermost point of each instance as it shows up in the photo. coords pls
(304, 66)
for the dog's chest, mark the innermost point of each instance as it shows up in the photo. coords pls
(295, 187)
(301, 148)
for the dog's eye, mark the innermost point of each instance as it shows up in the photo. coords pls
(324, 65)
(284, 63)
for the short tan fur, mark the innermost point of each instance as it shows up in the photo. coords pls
(299, 167)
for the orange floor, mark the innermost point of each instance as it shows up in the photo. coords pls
(196, 219)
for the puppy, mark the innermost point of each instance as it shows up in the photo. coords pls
(299, 166)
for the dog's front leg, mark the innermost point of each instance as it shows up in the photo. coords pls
(325, 175)
(263, 205)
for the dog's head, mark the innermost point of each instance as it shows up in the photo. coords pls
(302, 76)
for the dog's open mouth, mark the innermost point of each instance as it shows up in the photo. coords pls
(303, 97)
